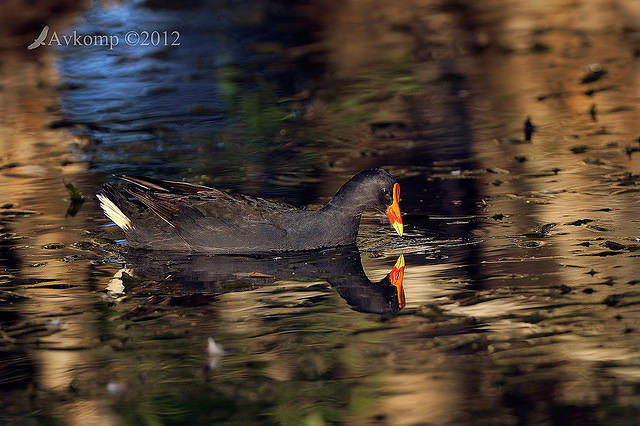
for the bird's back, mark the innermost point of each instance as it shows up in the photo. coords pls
(186, 217)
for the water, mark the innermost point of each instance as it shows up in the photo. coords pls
(521, 278)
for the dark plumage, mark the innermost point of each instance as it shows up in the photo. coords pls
(185, 217)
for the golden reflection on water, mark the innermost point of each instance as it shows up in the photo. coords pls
(35, 159)
(507, 87)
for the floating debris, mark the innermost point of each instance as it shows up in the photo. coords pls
(580, 222)
(594, 161)
(74, 193)
(541, 231)
(529, 128)
(55, 323)
(540, 47)
(116, 388)
(53, 246)
(612, 299)
(214, 353)
(612, 245)
(579, 149)
(594, 73)
(499, 171)
(546, 228)
(76, 198)
(596, 228)
(115, 287)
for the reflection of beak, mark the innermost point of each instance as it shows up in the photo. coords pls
(396, 276)
(393, 212)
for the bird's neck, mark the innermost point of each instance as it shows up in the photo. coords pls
(343, 214)
(341, 224)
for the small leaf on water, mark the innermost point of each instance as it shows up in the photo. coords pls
(76, 198)
(73, 191)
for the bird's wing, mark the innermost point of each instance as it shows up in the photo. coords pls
(199, 208)
(166, 186)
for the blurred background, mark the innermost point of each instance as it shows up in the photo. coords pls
(511, 125)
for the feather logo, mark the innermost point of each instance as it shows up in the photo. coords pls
(39, 41)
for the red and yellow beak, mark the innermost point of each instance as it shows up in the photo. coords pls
(393, 211)
(396, 276)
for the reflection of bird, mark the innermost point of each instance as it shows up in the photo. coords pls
(39, 41)
(194, 278)
(184, 217)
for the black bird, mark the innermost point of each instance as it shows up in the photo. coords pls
(178, 216)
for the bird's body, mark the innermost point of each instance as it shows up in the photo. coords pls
(179, 216)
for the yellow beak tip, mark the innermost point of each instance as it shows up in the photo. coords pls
(399, 228)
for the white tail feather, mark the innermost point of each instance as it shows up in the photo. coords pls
(114, 213)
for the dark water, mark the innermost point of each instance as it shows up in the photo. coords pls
(521, 287)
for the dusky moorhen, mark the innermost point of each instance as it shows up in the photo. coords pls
(180, 216)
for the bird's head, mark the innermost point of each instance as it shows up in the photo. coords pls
(373, 189)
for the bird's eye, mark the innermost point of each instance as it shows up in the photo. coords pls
(386, 196)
